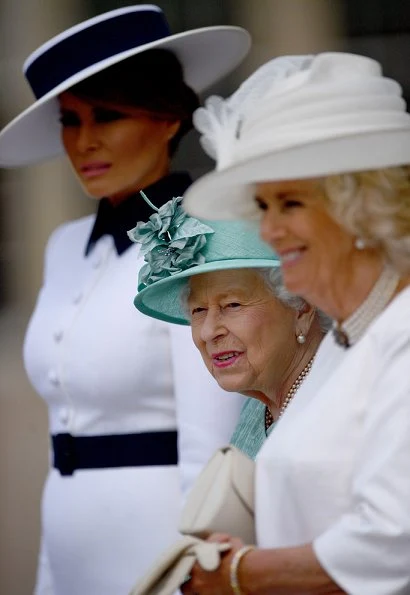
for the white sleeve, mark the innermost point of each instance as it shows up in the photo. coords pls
(44, 585)
(206, 414)
(367, 552)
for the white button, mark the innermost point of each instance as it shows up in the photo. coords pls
(53, 378)
(78, 297)
(64, 415)
(58, 335)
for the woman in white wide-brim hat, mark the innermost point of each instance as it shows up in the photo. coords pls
(321, 154)
(129, 422)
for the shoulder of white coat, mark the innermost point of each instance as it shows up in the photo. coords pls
(70, 231)
(390, 332)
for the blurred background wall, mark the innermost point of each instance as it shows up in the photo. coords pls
(34, 200)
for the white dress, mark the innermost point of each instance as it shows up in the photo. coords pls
(336, 469)
(104, 368)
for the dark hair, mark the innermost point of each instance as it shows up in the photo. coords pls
(153, 81)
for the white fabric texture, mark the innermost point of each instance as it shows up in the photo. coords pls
(338, 95)
(331, 114)
(220, 120)
(104, 368)
(335, 471)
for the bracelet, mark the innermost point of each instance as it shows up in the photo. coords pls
(233, 571)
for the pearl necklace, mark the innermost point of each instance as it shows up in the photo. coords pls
(349, 332)
(290, 394)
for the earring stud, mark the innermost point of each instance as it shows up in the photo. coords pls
(300, 338)
(360, 243)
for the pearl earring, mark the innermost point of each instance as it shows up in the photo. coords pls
(360, 243)
(300, 338)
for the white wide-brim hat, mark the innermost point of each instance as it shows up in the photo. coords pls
(206, 54)
(336, 113)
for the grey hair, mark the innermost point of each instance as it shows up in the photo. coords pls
(272, 278)
(183, 299)
(274, 281)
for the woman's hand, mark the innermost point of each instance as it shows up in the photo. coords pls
(264, 571)
(217, 582)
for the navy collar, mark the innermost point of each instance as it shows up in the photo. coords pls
(116, 220)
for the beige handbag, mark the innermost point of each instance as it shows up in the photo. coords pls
(175, 564)
(222, 498)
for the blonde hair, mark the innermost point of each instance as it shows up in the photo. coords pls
(375, 206)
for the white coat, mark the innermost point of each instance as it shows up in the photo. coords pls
(336, 469)
(104, 368)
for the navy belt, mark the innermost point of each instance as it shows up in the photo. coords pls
(145, 449)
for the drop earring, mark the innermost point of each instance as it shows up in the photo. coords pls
(300, 338)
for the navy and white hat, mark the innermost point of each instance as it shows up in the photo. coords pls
(206, 54)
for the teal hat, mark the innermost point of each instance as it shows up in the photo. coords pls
(176, 247)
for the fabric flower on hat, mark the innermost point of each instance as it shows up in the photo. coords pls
(219, 121)
(171, 242)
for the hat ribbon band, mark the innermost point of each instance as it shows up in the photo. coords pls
(92, 45)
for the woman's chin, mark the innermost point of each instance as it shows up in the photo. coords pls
(94, 192)
(294, 283)
(95, 187)
(231, 385)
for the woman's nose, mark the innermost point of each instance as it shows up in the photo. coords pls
(87, 138)
(212, 326)
(271, 228)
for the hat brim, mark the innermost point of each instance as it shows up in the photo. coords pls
(229, 193)
(162, 300)
(207, 54)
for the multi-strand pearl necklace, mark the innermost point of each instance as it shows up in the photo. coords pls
(349, 332)
(289, 396)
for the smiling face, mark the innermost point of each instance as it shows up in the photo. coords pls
(115, 151)
(247, 337)
(316, 253)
